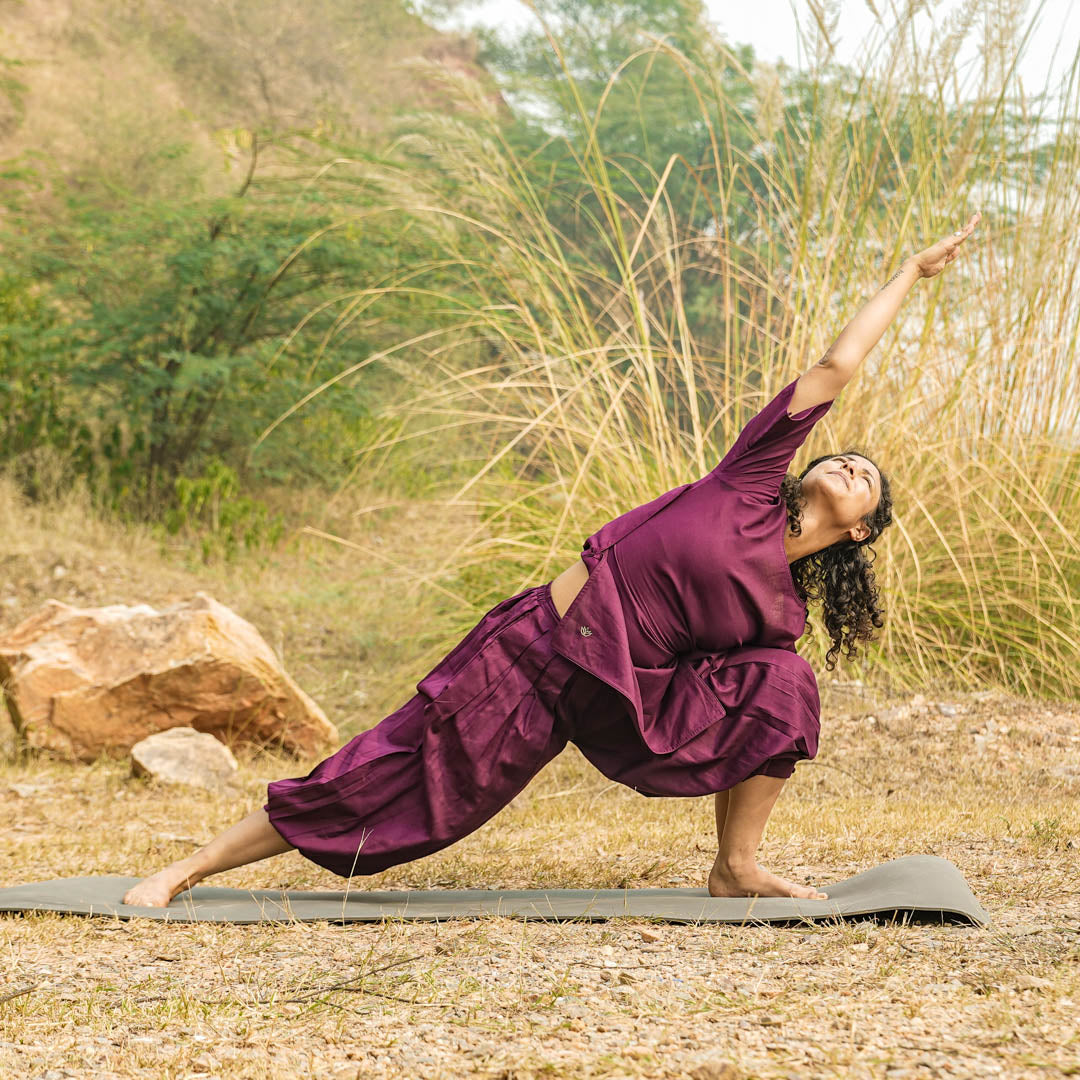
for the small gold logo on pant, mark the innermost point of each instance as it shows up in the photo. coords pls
(585, 631)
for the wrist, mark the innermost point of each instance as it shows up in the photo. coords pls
(910, 266)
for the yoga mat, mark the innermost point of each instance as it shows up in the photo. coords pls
(915, 888)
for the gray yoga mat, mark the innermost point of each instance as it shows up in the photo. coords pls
(912, 888)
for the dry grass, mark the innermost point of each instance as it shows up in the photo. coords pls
(991, 785)
(590, 392)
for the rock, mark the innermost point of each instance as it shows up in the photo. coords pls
(1033, 982)
(25, 791)
(83, 682)
(898, 712)
(184, 756)
(650, 935)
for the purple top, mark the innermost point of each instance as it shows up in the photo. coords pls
(701, 572)
(709, 573)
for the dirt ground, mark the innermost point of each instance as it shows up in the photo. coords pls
(505, 998)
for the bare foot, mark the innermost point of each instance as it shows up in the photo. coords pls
(757, 882)
(158, 890)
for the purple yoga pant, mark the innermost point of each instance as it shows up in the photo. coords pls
(446, 762)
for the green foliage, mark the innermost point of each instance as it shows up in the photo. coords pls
(170, 324)
(35, 406)
(211, 509)
(163, 334)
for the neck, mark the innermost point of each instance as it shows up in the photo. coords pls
(815, 535)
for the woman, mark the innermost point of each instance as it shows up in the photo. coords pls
(666, 654)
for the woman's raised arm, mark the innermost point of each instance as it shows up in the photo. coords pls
(834, 370)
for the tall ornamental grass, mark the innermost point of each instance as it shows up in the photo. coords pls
(569, 374)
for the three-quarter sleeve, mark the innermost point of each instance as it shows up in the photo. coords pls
(760, 456)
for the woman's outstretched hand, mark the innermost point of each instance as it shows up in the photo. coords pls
(934, 259)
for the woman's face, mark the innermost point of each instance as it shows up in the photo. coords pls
(848, 485)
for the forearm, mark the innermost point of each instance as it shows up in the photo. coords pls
(865, 330)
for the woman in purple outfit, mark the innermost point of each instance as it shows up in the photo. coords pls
(666, 653)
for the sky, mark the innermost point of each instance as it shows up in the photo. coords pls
(770, 26)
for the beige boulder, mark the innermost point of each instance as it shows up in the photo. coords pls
(89, 681)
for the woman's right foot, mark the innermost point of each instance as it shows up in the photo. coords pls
(158, 890)
(757, 882)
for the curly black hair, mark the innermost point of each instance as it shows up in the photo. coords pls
(841, 575)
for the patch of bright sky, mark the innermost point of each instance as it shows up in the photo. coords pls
(772, 27)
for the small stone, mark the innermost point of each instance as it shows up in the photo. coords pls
(1032, 982)
(606, 976)
(1066, 772)
(650, 936)
(980, 744)
(860, 946)
(900, 712)
(183, 755)
(917, 702)
(24, 791)
(946, 710)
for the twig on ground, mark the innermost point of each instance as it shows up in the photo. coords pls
(346, 985)
(19, 993)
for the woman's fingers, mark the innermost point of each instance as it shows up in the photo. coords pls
(935, 258)
(969, 228)
(961, 235)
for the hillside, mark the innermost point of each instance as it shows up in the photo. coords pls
(105, 90)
